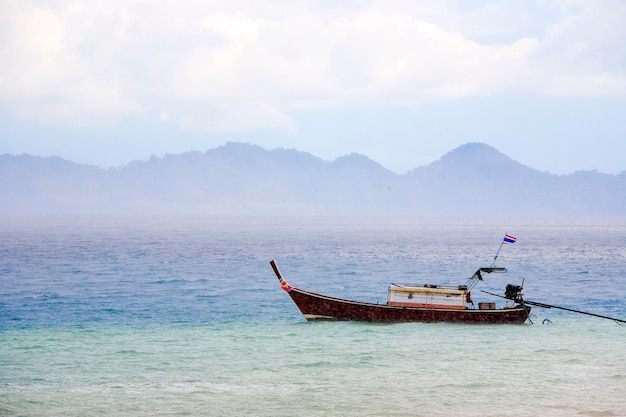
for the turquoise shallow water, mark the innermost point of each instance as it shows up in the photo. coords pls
(138, 317)
(573, 368)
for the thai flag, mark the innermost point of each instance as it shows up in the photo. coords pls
(509, 239)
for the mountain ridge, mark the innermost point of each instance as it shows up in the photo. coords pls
(471, 180)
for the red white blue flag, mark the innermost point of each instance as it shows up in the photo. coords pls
(509, 239)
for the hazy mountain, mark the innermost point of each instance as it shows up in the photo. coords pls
(474, 180)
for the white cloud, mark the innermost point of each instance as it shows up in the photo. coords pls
(238, 65)
(583, 54)
(57, 73)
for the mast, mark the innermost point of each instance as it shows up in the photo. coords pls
(497, 253)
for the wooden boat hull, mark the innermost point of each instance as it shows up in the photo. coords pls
(320, 307)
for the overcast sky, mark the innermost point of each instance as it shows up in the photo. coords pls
(402, 82)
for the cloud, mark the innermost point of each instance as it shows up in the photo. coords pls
(583, 55)
(238, 65)
(58, 71)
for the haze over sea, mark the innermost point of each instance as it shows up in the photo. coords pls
(164, 316)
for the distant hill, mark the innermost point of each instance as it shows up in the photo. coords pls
(473, 180)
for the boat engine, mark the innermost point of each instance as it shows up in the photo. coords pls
(513, 292)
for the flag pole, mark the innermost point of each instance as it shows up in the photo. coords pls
(493, 264)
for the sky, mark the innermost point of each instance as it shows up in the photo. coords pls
(400, 81)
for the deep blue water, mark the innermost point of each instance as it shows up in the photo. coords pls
(61, 271)
(183, 315)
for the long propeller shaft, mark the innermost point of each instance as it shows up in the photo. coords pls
(544, 305)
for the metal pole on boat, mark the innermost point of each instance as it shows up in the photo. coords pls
(544, 305)
(497, 253)
(520, 300)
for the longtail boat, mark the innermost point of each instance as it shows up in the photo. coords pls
(407, 303)
(428, 303)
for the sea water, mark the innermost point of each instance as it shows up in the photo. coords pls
(165, 316)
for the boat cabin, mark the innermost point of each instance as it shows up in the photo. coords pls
(435, 296)
(428, 296)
